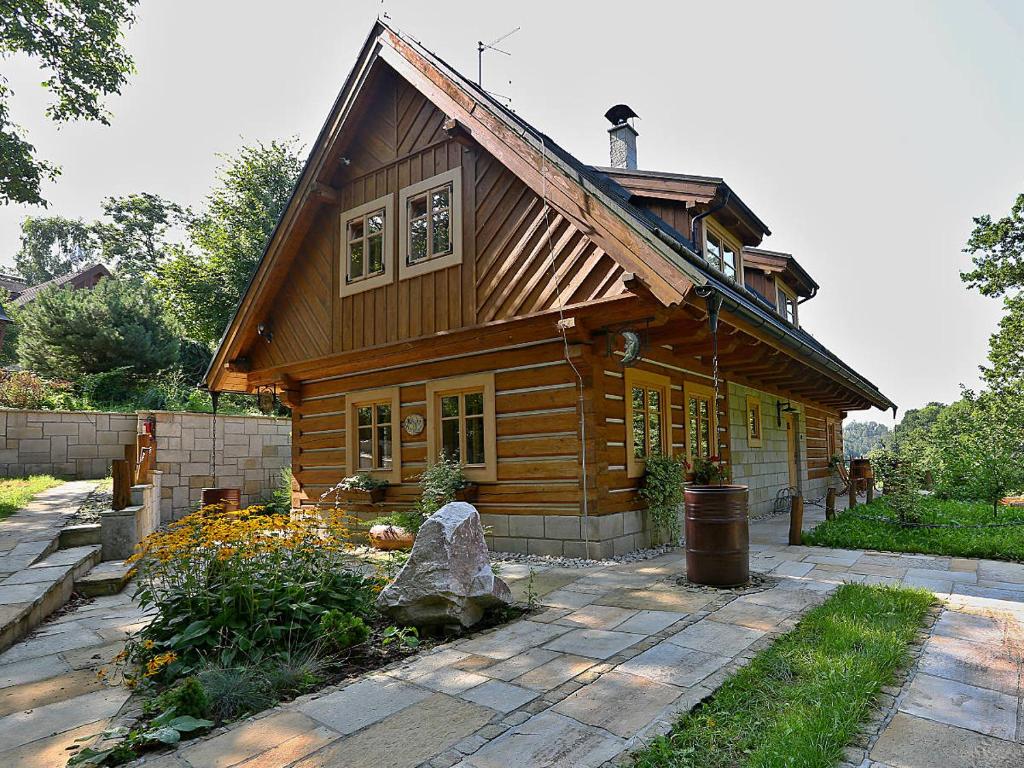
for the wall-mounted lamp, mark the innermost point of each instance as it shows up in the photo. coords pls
(264, 331)
(781, 408)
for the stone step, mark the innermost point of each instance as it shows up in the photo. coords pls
(31, 594)
(107, 578)
(79, 535)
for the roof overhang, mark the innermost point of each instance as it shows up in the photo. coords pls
(783, 264)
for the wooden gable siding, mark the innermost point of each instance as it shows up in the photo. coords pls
(536, 429)
(531, 258)
(518, 256)
(760, 282)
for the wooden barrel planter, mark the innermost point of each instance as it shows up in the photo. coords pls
(717, 535)
(390, 537)
(229, 498)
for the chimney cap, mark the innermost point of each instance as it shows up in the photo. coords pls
(620, 114)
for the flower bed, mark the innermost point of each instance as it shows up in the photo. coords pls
(249, 609)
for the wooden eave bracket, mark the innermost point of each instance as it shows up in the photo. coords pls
(290, 391)
(324, 194)
(238, 365)
(457, 132)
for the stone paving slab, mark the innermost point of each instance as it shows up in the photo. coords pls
(966, 706)
(620, 703)
(914, 742)
(548, 739)
(367, 701)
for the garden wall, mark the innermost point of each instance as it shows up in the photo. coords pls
(74, 444)
(251, 450)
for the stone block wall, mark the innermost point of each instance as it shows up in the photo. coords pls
(251, 452)
(563, 535)
(73, 444)
(766, 469)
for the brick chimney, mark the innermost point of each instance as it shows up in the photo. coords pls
(623, 136)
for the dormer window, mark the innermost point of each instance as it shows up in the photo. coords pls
(787, 303)
(720, 253)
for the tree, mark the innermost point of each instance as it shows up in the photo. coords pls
(202, 285)
(78, 44)
(1005, 371)
(132, 234)
(997, 250)
(71, 333)
(52, 246)
(860, 437)
(9, 349)
(977, 447)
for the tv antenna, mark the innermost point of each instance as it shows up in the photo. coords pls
(481, 46)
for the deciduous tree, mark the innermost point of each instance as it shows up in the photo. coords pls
(77, 43)
(132, 235)
(52, 246)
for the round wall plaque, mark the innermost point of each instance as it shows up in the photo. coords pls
(413, 423)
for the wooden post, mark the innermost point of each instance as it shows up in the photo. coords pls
(131, 456)
(870, 483)
(830, 504)
(796, 520)
(853, 493)
(122, 483)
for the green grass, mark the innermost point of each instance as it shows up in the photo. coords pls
(853, 530)
(16, 492)
(799, 702)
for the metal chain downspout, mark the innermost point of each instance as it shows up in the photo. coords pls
(713, 300)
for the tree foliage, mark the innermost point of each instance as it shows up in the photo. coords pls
(861, 437)
(132, 235)
(52, 246)
(201, 285)
(71, 333)
(997, 250)
(78, 46)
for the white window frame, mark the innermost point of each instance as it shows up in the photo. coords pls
(368, 282)
(431, 263)
(713, 229)
(373, 397)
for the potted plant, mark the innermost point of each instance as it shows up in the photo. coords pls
(362, 488)
(716, 526)
(444, 482)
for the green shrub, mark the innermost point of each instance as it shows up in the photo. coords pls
(439, 484)
(187, 697)
(663, 490)
(342, 630)
(234, 691)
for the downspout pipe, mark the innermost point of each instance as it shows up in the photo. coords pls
(698, 245)
(814, 292)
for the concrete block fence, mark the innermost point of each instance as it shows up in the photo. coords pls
(251, 450)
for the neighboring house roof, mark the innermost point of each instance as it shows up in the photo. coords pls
(784, 264)
(662, 258)
(13, 284)
(87, 277)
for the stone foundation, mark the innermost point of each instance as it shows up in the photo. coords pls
(563, 535)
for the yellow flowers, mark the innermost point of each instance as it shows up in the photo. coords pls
(158, 662)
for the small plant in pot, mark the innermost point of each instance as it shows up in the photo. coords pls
(363, 487)
(709, 471)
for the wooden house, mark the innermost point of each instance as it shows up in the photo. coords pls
(448, 279)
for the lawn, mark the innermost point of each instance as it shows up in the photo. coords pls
(16, 492)
(854, 529)
(800, 702)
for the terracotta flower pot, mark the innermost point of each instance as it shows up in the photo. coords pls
(389, 537)
(717, 535)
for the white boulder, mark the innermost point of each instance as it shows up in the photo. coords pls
(448, 576)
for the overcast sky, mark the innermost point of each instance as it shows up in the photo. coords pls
(865, 134)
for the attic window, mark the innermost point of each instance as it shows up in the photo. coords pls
(367, 245)
(720, 253)
(431, 224)
(787, 304)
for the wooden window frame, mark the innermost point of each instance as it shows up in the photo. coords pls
(366, 397)
(457, 385)
(754, 404)
(693, 388)
(635, 466)
(440, 261)
(387, 275)
(781, 287)
(713, 229)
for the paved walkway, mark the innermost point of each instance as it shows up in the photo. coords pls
(616, 654)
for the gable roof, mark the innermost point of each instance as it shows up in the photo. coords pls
(783, 263)
(660, 257)
(82, 278)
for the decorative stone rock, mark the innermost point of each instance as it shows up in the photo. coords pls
(448, 576)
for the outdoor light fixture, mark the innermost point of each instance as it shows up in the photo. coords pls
(264, 331)
(781, 408)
